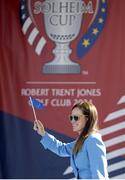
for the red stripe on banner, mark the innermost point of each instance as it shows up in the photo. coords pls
(113, 122)
(114, 134)
(116, 147)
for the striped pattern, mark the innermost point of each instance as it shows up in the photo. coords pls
(28, 28)
(114, 138)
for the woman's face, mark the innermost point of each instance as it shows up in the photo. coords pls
(78, 124)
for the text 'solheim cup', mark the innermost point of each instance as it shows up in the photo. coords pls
(62, 20)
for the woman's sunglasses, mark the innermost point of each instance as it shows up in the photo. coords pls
(75, 117)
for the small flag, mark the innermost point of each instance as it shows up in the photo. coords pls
(37, 104)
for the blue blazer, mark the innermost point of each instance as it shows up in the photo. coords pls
(89, 163)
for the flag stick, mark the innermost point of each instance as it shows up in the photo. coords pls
(33, 109)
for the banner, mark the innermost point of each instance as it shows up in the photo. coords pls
(59, 52)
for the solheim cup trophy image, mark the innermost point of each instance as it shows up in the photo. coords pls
(62, 19)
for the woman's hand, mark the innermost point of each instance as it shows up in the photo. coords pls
(38, 126)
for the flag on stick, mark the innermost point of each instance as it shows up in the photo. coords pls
(35, 104)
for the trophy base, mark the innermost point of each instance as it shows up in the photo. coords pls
(61, 69)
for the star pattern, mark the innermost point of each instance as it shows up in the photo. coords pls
(90, 37)
(86, 42)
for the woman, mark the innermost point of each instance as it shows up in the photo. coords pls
(87, 153)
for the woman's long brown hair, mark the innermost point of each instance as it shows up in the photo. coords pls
(90, 112)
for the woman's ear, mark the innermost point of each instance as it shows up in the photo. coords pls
(86, 118)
